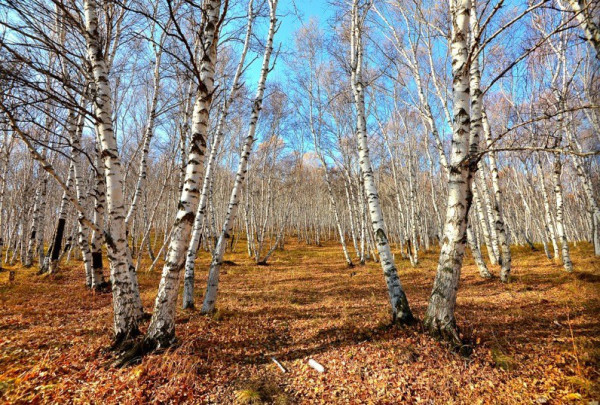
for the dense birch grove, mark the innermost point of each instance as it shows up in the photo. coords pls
(137, 134)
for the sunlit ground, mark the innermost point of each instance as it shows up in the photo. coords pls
(536, 339)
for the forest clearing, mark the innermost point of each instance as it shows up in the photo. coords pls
(536, 339)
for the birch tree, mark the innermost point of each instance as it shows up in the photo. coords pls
(188, 286)
(210, 297)
(439, 318)
(162, 325)
(127, 304)
(400, 308)
(586, 12)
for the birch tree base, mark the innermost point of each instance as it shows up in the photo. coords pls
(131, 352)
(445, 329)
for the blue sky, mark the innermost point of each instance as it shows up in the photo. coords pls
(295, 12)
(292, 14)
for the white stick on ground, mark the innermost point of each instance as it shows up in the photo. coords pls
(283, 369)
(316, 366)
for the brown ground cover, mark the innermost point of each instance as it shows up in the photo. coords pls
(536, 339)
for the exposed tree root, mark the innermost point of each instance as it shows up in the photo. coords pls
(133, 355)
(124, 341)
(135, 352)
(448, 332)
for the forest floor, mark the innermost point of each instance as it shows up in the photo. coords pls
(536, 339)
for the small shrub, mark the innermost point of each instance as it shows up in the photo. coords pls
(503, 360)
(580, 382)
(249, 396)
(259, 391)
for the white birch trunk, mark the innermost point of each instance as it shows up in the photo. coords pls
(74, 129)
(210, 297)
(161, 331)
(42, 221)
(549, 222)
(5, 154)
(351, 219)
(438, 216)
(35, 224)
(585, 12)
(475, 135)
(588, 188)
(399, 304)
(501, 231)
(483, 221)
(361, 216)
(51, 261)
(484, 192)
(483, 270)
(560, 227)
(126, 298)
(439, 318)
(414, 256)
(97, 237)
(188, 281)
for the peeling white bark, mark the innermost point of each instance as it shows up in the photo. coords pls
(126, 298)
(560, 227)
(439, 318)
(585, 13)
(549, 221)
(501, 231)
(188, 283)
(162, 325)
(210, 297)
(399, 304)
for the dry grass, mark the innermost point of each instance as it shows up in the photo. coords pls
(536, 338)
